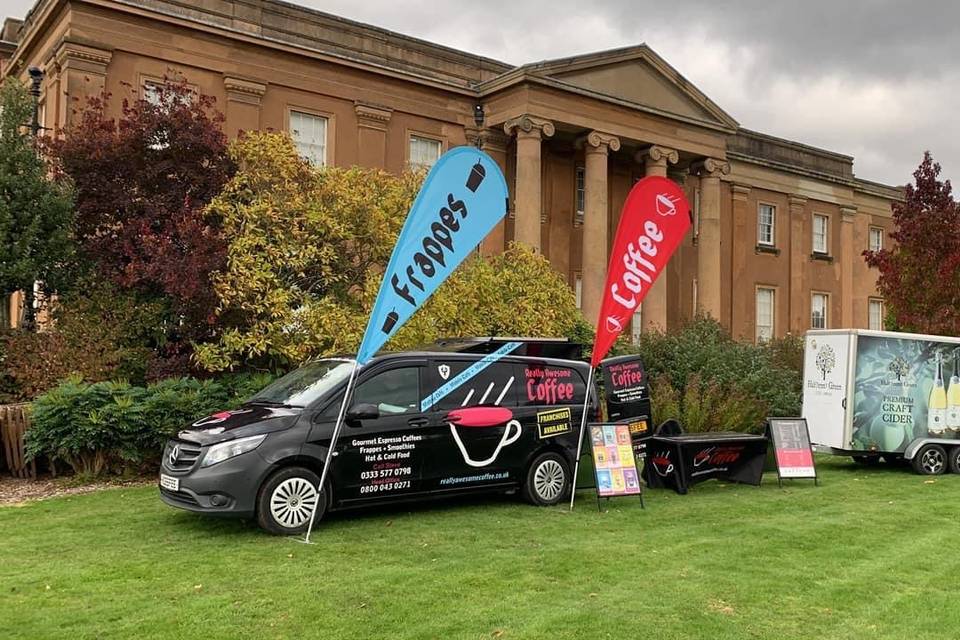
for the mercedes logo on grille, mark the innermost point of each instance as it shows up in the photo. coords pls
(174, 454)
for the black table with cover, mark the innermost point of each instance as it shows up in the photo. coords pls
(679, 461)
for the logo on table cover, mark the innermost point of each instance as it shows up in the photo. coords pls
(484, 417)
(662, 464)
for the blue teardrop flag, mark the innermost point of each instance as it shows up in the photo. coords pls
(463, 197)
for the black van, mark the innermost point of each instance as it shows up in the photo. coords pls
(477, 415)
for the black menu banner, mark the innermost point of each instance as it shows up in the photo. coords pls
(627, 393)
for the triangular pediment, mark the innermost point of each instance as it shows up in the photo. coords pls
(636, 75)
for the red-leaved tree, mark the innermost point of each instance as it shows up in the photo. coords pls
(920, 275)
(142, 181)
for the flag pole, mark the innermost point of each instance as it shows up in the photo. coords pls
(583, 426)
(328, 462)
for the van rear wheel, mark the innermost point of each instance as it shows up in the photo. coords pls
(930, 460)
(287, 499)
(548, 480)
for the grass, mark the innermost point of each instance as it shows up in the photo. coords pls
(872, 553)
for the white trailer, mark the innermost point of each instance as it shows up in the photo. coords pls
(881, 394)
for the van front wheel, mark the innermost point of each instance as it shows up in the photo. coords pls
(548, 480)
(287, 499)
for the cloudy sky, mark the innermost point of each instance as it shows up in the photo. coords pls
(875, 79)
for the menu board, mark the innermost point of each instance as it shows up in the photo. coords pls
(791, 443)
(613, 460)
(628, 396)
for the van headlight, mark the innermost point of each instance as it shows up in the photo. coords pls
(226, 450)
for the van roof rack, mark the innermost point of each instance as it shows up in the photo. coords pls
(529, 346)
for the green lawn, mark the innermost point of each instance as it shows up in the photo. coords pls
(872, 553)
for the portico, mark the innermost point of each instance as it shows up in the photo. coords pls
(569, 177)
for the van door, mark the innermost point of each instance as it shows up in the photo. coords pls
(480, 449)
(381, 457)
(551, 399)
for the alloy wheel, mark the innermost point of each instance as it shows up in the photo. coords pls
(548, 480)
(932, 461)
(292, 502)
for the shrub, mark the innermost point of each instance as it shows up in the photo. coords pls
(109, 426)
(98, 335)
(706, 406)
(743, 382)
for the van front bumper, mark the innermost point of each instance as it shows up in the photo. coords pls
(228, 488)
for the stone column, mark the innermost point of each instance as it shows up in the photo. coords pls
(82, 71)
(494, 143)
(799, 320)
(243, 105)
(708, 241)
(372, 121)
(529, 131)
(653, 313)
(847, 253)
(743, 239)
(596, 215)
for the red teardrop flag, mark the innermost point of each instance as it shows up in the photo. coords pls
(654, 219)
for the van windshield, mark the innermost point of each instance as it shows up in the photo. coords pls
(304, 385)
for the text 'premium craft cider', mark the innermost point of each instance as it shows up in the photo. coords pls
(937, 407)
(953, 397)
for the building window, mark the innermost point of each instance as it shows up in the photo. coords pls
(424, 152)
(151, 93)
(5, 312)
(765, 300)
(694, 296)
(820, 226)
(876, 238)
(581, 192)
(696, 215)
(766, 218)
(309, 133)
(818, 310)
(876, 315)
(578, 290)
(636, 325)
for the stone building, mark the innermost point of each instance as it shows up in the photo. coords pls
(779, 226)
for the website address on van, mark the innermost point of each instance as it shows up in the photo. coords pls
(484, 477)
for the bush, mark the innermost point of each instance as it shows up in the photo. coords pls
(98, 335)
(111, 426)
(702, 376)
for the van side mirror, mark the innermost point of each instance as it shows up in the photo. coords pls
(363, 411)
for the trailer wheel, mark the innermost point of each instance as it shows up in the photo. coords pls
(955, 460)
(930, 460)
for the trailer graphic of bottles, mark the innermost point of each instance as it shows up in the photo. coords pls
(877, 395)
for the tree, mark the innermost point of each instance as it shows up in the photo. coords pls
(142, 182)
(35, 210)
(306, 250)
(920, 276)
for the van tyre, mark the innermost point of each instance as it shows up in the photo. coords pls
(930, 460)
(955, 460)
(547, 481)
(286, 500)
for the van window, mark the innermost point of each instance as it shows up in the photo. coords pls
(394, 392)
(543, 384)
(496, 384)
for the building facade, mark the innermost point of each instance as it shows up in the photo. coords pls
(779, 227)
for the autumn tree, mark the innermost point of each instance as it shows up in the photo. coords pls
(306, 250)
(35, 210)
(142, 182)
(920, 275)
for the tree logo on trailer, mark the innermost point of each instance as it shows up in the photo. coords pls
(826, 360)
(899, 367)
